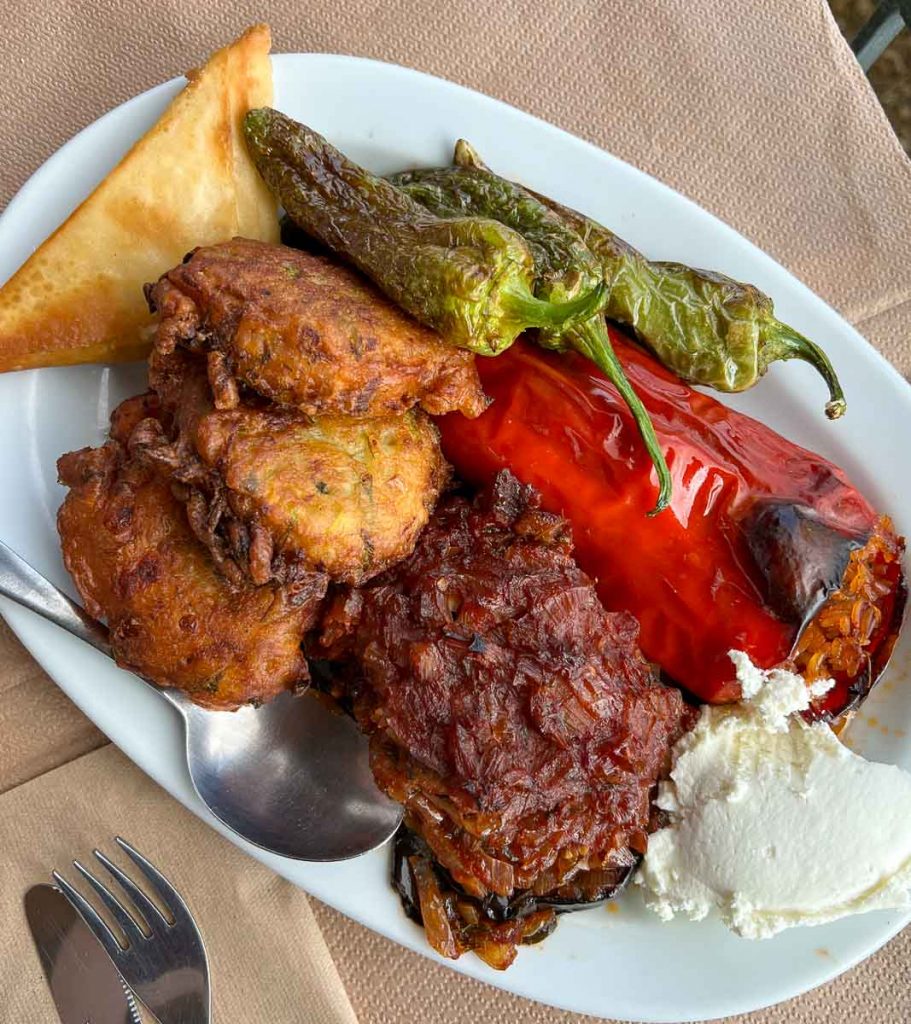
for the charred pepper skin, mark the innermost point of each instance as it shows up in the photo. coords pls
(759, 531)
(469, 278)
(564, 266)
(705, 327)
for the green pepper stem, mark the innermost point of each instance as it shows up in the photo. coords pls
(533, 312)
(786, 343)
(591, 340)
(465, 155)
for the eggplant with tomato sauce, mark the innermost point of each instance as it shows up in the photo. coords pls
(512, 717)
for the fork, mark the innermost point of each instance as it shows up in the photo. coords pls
(162, 961)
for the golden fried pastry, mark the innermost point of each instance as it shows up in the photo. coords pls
(188, 181)
(308, 334)
(173, 618)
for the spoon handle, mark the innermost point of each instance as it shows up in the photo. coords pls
(26, 586)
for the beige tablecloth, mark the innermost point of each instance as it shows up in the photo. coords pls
(756, 111)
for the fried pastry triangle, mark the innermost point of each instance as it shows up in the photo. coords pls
(187, 182)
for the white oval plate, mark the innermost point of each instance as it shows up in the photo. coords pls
(623, 964)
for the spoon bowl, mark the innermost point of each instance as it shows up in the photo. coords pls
(292, 777)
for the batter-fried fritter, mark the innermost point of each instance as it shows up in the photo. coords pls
(274, 494)
(131, 412)
(308, 334)
(173, 618)
(344, 496)
(510, 713)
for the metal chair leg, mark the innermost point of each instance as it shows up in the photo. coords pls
(884, 25)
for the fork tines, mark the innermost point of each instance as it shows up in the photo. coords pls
(155, 943)
(133, 931)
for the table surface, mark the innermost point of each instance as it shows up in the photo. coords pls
(755, 111)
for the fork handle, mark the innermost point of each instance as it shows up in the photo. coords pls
(26, 586)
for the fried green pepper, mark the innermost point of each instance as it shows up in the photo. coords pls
(563, 265)
(707, 328)
(468, 278)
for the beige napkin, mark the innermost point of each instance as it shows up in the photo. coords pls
(755, 110)
(269, 962)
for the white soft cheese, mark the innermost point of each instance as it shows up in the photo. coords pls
(774, 822)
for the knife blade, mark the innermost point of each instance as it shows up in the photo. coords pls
(85, 984)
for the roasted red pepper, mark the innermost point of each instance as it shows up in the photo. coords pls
(767, 547)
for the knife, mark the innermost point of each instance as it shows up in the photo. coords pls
(86, 986)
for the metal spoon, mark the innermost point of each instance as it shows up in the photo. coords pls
(291, 777)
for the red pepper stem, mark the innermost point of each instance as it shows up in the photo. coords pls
(591, 340)
(786, 343)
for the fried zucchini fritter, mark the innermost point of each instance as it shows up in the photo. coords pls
(308, 334)
(173, 618)
(274, 494)
(344, 496)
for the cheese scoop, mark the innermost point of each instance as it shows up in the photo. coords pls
(773, 821)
